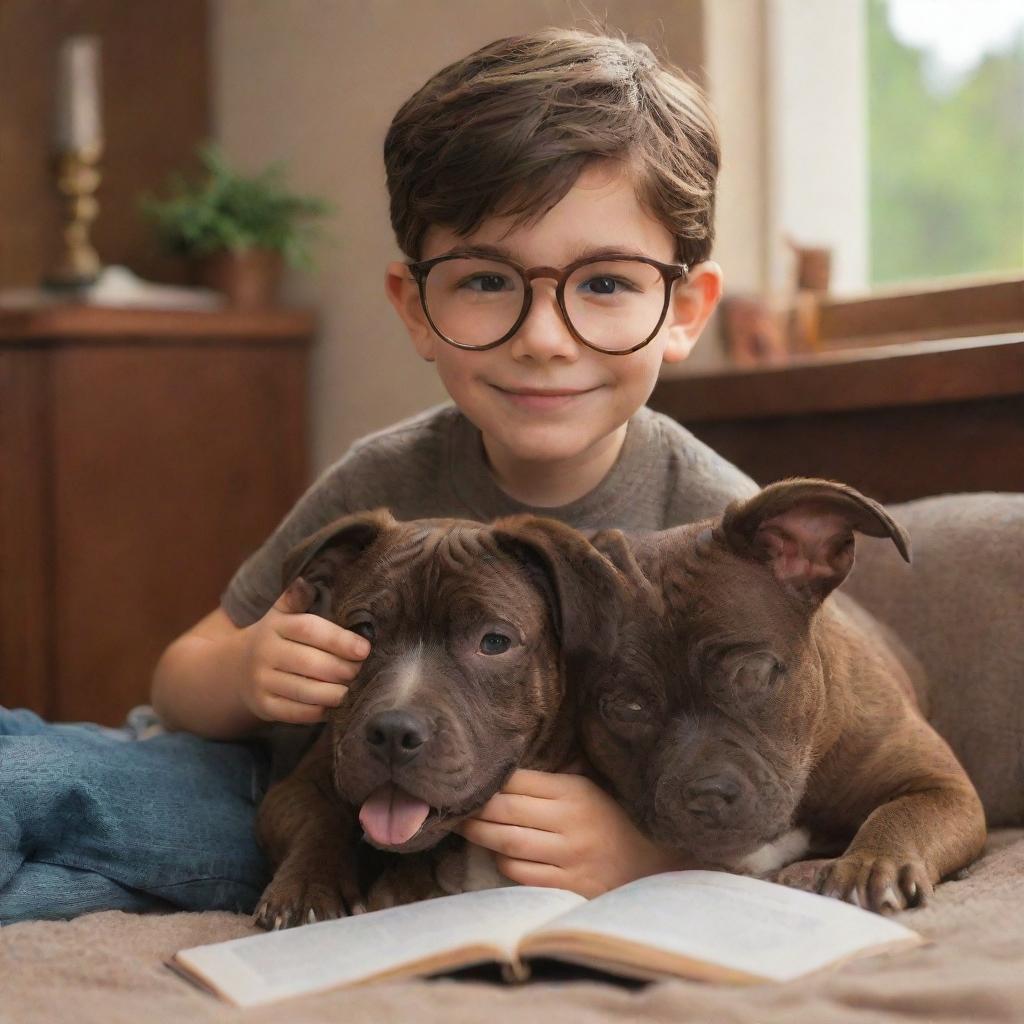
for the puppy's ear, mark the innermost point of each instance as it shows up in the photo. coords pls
(615, 547)
(804, 529)
(310, 568)
(581, 585)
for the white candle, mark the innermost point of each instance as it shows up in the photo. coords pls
(78, 95)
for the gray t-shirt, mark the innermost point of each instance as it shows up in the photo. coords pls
(433, 465)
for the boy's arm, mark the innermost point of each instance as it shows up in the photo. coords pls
(196, 683)
(222, 681)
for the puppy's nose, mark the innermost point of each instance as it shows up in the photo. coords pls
(396, 737)
(710, 798)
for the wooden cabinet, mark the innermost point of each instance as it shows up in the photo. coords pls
(143, 456)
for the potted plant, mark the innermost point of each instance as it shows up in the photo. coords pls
(237, 231)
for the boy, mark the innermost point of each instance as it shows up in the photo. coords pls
(554, 194)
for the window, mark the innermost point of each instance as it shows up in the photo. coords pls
(945, 106)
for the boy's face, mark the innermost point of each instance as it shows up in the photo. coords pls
(541, 396)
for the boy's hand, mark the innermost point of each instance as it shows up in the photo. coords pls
(564, 831)
(297, 665)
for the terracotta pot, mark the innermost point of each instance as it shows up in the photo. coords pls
(249, 278)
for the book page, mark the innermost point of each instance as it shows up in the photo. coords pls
(261, 968)
(743, 924)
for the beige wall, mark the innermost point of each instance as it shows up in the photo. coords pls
(816, 129)
(737, 85)
(316, 82)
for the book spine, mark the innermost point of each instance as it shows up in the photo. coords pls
(515, 972)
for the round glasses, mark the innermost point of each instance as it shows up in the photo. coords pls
(612, 304)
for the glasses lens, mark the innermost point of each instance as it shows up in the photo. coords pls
(473, 301)
(615, 304)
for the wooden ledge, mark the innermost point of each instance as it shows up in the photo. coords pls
(916, 373)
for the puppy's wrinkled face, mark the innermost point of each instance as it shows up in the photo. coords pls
(461, 682)
(703, 719)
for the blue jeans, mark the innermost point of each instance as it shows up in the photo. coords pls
(92, 818)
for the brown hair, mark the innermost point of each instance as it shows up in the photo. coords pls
(508, 130)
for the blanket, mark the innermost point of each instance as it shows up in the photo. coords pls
(108, 968)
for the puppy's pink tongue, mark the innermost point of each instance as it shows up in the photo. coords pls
(390, 816)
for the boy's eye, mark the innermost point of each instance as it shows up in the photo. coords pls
(495, 643)
(486, 283)
(605, 285)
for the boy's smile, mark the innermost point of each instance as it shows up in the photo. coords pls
(541, 398)
(553, 412)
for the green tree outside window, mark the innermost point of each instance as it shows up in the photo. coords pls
(946, 165)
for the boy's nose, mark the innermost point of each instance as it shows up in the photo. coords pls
(544, 334)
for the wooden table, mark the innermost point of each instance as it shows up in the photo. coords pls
(897, 422)
(143, 456)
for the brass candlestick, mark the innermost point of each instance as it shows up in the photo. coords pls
(78, 177)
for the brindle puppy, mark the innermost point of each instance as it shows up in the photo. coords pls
(744, 711)
(470, 628)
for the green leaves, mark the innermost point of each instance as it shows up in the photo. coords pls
(226, 210)
(946, 188)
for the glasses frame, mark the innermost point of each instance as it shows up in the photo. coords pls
(670, 273)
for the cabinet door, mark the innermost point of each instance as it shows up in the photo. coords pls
(171, 463)
(26, 609)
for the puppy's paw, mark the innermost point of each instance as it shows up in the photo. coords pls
(411, 880)
(881, 884)
(286, 903)
(391, 890)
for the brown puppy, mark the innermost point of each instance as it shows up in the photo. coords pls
(745, 713)
(465, 683)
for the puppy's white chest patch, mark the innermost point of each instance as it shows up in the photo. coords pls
(790, 846)
(481, 871)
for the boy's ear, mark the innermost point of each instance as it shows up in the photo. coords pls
(690, 308)
(403, 293)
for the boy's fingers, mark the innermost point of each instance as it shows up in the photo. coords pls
(302, 690)
(305, 661)
(316, 632)
(513, 841)
(545, 785)
(528, 872)
(516, 809)
(280, 709)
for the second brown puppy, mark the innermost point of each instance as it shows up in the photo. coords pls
(747, 718)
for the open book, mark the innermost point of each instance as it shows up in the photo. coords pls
(705, 925)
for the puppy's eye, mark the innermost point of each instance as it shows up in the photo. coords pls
(495, 643)
(758, 672)
(620, 708)
(364, 629)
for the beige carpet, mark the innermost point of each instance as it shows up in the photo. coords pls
(108, 968)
